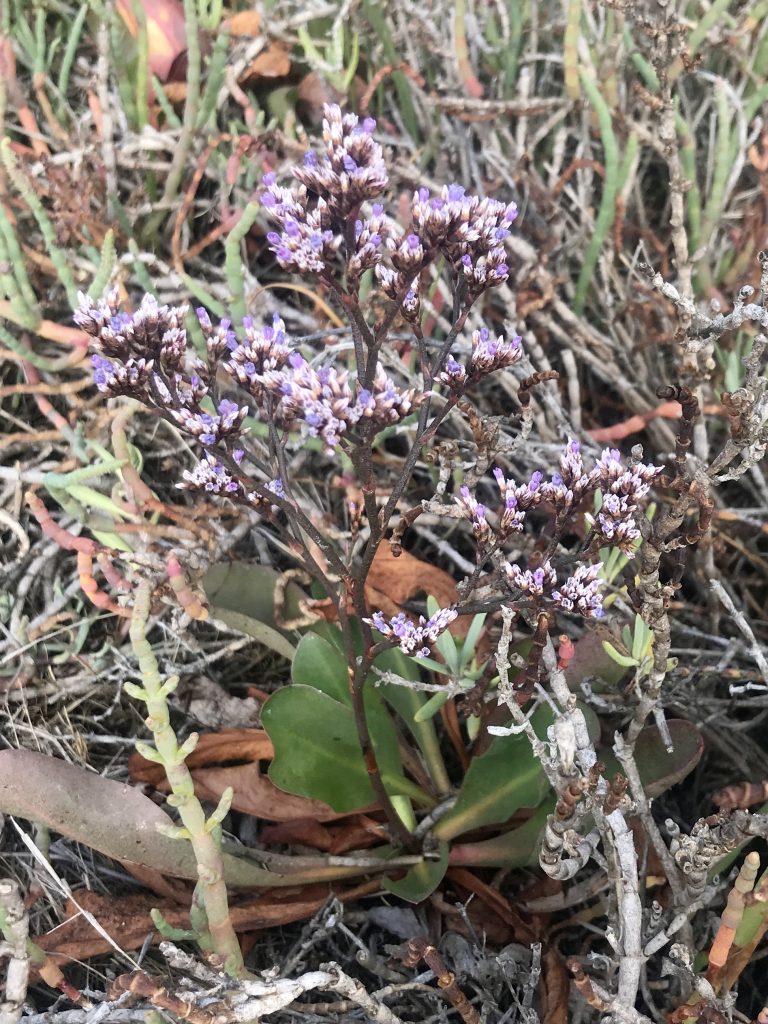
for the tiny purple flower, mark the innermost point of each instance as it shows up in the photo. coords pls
(413, 639)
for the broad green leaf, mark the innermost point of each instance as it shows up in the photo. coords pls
(264, 634)
(332, 633)
(473, 635)
(393, 660)
(658, 770)
(320, 664)
(243, 597)
(421, 880)
(434, 666)
(514, 849)
(317, 752)
(404, 701)
(499, 782)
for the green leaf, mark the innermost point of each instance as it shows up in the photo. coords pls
(658, 770)
(318, 754)
(407, 703)
(499, 783)
(752, 925)
(331, 667)
(332, 633)
(432, 706)
(320, 664)
(640, 640)
(473, 635)
(514, 849)
(243, 597)
(421, 880)
(434, 666)
(620, 659)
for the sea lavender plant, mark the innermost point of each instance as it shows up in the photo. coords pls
(331, 224)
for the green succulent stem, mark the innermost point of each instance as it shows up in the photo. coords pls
(204, 834)
(607, 212)
(57, 256)
(191, 109)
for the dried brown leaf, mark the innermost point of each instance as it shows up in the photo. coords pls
(272, 62)
(126, 918)
(244, 23)
(227, 746)
(254, 794)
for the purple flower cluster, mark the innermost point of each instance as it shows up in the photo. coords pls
(315, 221)
(468, 231)
(131, 346)
(306, 244)
(213, 476)
(325, 404)
(153, 333)
(537, 582)
(322, 402)
(411, 638)
(261, 351)
(369, 236)
(516, 500)
(350, 171)
(621, 488)
(211, 429)
(488, 355)
(474, 511)
(580, 592)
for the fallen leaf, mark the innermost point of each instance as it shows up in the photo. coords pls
(272, 62)
(556, 985)
(213, 770)
(126, 918)
(394, 581)
(313, 93)
(167, 888)
(166, 31)
(213, 748)
(494, 901)
(244, 23)
(402, 578)
(357, 832)
(256, 795)
(124, 824)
